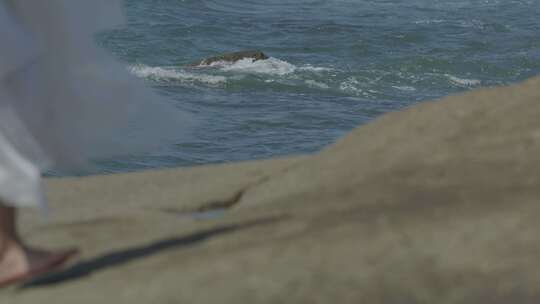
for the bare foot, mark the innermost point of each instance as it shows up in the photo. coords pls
(19, 263)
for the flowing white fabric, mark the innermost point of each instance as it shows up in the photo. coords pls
(63, 100)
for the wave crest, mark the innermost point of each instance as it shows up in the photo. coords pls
(171, 74)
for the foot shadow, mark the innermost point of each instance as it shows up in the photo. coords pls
(117, 258)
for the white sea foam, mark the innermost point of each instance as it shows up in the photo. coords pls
(404, 88)
(463, 81)
(430, 21)
(171, 74)
(316, 84)
(310, 68)
(270, 66)
(152, 72)
(351, 85)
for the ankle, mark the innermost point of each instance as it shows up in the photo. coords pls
(8, 217)
(8, 231)
(6, 245)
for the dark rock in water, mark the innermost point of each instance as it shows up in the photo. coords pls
(231, 58)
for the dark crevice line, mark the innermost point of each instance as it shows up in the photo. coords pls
(232, 201)
(121, 257)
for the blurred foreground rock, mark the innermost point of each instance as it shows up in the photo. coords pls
(438, 203)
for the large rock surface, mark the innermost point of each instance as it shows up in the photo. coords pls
(439, 203)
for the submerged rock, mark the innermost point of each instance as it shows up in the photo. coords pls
(231, 58)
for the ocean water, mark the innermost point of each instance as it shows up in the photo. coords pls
(333, 65)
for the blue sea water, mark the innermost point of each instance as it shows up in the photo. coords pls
(334, 65)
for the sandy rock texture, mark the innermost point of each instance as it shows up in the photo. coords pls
(438, 203)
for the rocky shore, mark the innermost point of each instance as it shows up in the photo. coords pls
(438, 203)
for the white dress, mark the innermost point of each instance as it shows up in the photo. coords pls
(63, 100)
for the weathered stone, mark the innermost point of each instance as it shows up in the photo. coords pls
(438, 203)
